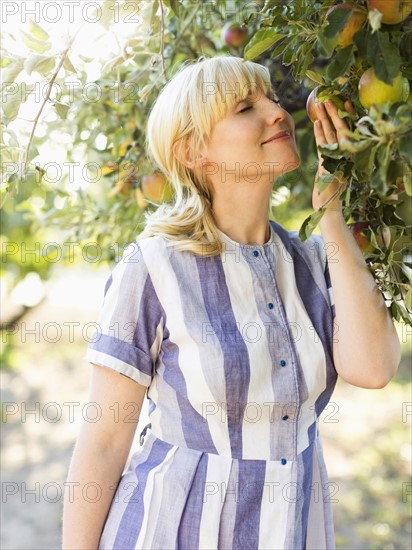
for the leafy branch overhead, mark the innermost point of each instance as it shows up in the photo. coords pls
(96, 105)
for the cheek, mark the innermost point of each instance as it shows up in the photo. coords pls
(291, 123)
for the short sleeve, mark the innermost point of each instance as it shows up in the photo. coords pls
(130, 325)
(321, 250)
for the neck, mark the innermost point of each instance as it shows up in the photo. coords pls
(244, 221)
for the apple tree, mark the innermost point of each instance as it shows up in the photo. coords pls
(358, 50)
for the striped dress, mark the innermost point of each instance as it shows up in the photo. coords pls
(236, 353)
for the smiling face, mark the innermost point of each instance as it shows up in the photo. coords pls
(254, 142)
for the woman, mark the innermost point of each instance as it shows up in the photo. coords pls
(229, 323)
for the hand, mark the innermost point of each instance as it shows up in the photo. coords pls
(329, 128)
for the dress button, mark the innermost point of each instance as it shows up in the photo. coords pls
(270, 305)
(282, 363)
(285, 417)
(283, 461)
(255, 253)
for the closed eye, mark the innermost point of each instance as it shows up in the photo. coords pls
(245, 109)
(274, 99)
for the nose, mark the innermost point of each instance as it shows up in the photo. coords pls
(274, 112)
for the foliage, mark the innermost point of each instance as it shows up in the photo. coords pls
(101, 121)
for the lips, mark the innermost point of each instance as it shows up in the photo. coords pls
(279, 135)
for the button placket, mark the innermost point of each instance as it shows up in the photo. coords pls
(287, 426)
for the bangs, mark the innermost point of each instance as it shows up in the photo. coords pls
(221, 84)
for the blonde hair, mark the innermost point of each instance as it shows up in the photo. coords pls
(185, 112)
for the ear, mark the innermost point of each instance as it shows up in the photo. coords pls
(183, 151)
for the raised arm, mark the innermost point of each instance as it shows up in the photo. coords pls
(367, 349)
(99, 457)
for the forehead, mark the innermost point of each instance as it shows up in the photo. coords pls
(227, 95)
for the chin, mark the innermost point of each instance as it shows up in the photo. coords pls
(291, 163)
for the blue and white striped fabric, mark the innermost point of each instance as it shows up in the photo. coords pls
(236, 352)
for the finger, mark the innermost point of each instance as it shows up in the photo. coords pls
(329, 129)
(319, 133)
(332, 110)
(340, 124)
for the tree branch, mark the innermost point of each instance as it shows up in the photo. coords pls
(46, 99)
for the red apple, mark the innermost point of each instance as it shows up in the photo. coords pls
(375, 91)
(234, 35)
(353, 25)
(317, 95)
(358, 231)
(156, 188)
(393, 11)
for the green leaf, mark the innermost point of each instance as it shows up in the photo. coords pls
(61, 109)
(109, 65)
(408, 300)
(34, 44)
(174, 4)
(261, 41)
(109, 13)
(384, 56)
(360, 39)
(364, 162)
(316, 77)
(279, 49)
(37, 31)
(68, 65)
(155, 7)
(310, 224)
(5, 61)
(42, 64)
(405, 146)
(372, 238)
(326, 45)
(12, 71)
(341, 62)
(337, 20)
(383, 156)
(11, 106)
(378, 183)
(86, 59)
(407, 181)
(14, 98)
(330, 150)
(33, 153)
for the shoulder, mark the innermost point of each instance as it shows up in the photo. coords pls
(143, 248)
(312, 250)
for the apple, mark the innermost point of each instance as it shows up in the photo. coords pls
(234, 35)
(375, 91)
(124, 183)
(358, 231)
(317, 95)
(156, 188)
(353, 25)
(393, 11)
